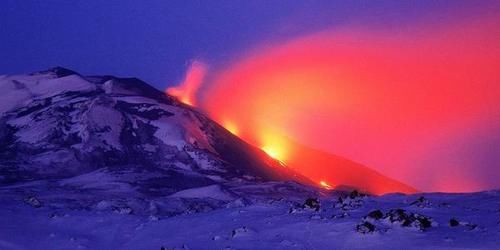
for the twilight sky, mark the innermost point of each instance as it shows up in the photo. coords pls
(409, 88)
(155, 40)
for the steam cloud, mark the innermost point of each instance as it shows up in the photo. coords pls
(406, 104)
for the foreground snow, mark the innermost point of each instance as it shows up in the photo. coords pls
(259, 224)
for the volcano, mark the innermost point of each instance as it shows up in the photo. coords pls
(102, 162)
(59, 124)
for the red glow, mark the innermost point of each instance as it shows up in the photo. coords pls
(325, 185)
(386, 100)
(186, 91)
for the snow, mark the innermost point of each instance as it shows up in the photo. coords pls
(103, 118)
(261, 225)
(18, 89)
(213, 191)
(99, 179)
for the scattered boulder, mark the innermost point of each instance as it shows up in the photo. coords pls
(312, 203)
(396, 215)
(33, 201)
(375, 214)
(401, 217)
(421, 202)
(349, 204)
(453, 222)
(422, 222)
(365, 227)
(355, 194)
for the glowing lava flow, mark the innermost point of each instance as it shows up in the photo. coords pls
(325, 185)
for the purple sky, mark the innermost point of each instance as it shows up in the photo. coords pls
(155, 40)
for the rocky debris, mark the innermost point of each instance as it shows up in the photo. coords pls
(356, 194)
(312, 203)
(33, 201)
(401, 217)
(375, 214)
(365, 227)
(351, 202)
(421, 202)
(453, 222)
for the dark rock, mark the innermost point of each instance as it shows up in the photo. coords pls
(396, 215)
(355, 194)
(454, 222)
(348, 203)
(340, 200)
(400, 216)
(312, 203)
(421, 202)
(422, 222)
(365, 228)
(33, 201)
(375, 214)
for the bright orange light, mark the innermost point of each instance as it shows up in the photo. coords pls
(274, 153)
(325, 185)
(231, 127)
(378, 98)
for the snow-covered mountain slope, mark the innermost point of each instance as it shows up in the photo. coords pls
(58, 124)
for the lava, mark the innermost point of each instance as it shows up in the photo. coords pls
(325, 185)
